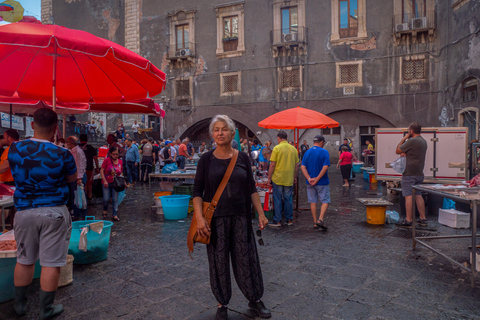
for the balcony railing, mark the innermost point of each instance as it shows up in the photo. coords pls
(184, 50)
(410, 22)
(289, 37)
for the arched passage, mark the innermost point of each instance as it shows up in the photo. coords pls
(357, 125)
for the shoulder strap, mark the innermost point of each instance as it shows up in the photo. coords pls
(225, 179)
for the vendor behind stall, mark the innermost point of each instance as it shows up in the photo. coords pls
(11, 135)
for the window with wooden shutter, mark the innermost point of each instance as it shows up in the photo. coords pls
(182, 88)
(230, 83)
(349, 73)
(414, 69)
(290, 78)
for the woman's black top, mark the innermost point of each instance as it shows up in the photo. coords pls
(236, 197)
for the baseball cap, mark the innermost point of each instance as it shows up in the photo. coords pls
(319, 138)
(168, 142)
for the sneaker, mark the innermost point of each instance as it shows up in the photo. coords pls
(404, 224)
(259, 308)
(274, 224)
(289, 222)
(421, 222)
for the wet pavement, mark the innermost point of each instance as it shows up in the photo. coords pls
(352, 271)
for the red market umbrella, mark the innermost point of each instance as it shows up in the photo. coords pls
(54, 63)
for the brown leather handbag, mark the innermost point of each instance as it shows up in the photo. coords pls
(209, 208)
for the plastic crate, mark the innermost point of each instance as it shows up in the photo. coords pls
(268, 214)
(186, 189)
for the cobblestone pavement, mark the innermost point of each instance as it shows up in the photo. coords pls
(352, 271)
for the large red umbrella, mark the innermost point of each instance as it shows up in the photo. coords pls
(54, 63)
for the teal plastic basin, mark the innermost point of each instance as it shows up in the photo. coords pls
(97, 244)
(175, 207)
(7, 266)
(357, 167)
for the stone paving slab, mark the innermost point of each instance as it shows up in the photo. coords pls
(352, 271)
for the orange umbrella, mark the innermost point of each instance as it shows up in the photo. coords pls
(298, 118)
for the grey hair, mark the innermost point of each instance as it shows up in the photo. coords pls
(73, 140)
(225, 119)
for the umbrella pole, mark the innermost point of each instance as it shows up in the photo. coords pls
(54, 78)
(11, 115)
(64, 126)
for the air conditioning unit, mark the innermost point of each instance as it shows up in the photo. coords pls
(183, 53)
(289, 37)
(419, 23)
(401, 27)
(348, 90)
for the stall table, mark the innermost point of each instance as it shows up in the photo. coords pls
(5, 203)
(470, 196)
(170, 175)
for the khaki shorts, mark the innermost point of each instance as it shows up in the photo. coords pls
(43, 233)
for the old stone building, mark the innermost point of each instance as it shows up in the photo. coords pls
(364, 63)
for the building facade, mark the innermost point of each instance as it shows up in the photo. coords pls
(365, 64)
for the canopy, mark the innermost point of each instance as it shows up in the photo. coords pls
(298, 118)
(54, 63)
(142, 106)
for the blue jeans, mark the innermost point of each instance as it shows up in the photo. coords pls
(110, 193)
(132, 172)
(287, 193)
(181, 162)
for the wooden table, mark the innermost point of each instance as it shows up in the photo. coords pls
(5, 203)
(170, 175)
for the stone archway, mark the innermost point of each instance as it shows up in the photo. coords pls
(351, 123)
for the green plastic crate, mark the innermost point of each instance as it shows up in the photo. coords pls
(183, 189)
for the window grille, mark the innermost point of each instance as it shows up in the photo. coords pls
(183, 88)
(414, 69)
(291, 78)
(183, 102)
(348, 73)
(230, 83)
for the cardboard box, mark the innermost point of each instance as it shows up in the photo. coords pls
(454, 218)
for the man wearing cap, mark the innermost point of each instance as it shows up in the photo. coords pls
(167, 153)
(282, 174)
(315, 165)
(345, 143)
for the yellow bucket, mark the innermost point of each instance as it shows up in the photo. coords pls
(376, 214)
(372, 178)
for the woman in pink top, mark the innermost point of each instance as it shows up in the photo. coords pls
(345, 163)
(111, 166)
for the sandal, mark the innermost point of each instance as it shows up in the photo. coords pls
(315, 226)
(320, 224)
(104, 215)
(115, 218)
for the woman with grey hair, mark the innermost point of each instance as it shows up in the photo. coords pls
(231, 232)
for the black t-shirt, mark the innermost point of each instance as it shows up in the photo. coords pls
(155, 151)
(304, 148)
(236, 198)
(90, 152)
(344, 145)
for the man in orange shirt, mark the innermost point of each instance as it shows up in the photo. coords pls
(182, 154)
(11, 135)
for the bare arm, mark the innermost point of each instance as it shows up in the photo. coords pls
(203, 229)
(72, 178)
(262, 220)
(95, 159)
(296, 172)
(271, 170)
(405, 137)
(4, 166)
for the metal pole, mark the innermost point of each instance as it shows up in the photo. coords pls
(64, 126)
(474, 244)
(54, 78)
(11, 115)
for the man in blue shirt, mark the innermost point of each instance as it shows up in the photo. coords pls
(315, 165)
(132, 158)
(41, 171)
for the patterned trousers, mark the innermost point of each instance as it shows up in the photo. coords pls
(231, 239)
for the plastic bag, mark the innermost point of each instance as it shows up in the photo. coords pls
(169, 168)
(80, 199)
(121, 196)
(399, 164)
(448, 204)
(82, 244)
(392, 216)
(268, 202)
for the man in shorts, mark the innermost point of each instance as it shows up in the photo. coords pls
(41, 171)
(414, 147)
(315, 165)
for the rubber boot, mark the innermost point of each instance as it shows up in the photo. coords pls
(20, 305)
(47, 309)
